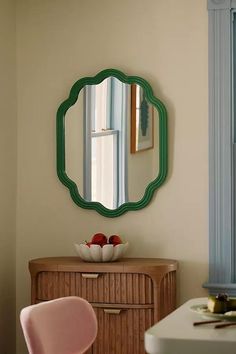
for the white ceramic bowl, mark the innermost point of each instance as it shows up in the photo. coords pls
(96, 253)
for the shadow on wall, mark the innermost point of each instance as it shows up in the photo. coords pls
(7, 311)
(190, 278)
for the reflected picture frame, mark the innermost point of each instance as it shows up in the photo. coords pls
(142, 121)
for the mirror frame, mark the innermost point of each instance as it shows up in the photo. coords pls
(163, 146)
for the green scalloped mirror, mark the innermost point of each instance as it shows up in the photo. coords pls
(112, 143)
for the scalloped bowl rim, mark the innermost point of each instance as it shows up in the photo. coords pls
(96, 253)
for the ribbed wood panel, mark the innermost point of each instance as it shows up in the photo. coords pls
(168, 294)
(122, 333)
(143, 289)
(116, 288)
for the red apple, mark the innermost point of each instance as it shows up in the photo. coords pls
(99, 239)
(115, 240)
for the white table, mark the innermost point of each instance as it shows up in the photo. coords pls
(175, 334)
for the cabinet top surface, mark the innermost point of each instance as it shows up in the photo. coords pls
(125, 264)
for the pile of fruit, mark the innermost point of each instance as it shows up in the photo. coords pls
(102, 240)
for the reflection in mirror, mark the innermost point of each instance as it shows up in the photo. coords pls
(111, 142)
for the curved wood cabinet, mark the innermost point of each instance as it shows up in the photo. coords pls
(128, 296)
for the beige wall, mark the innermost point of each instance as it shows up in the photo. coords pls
(7, 176)
(163, 41)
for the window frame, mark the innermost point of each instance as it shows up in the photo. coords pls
(112, 126)
(114, 134)
(222, 253)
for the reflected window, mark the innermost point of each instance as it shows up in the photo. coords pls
(104, 168)
(105, 123)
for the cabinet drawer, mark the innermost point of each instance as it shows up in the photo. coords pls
(118, 288)
(122, 333)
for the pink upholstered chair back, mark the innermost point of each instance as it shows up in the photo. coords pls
(62, 326)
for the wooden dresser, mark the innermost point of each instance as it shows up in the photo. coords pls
(128, 296)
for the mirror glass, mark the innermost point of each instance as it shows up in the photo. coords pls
(112, 142)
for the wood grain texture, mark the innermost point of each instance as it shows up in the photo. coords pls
(123, 333)
(168, 294)
(142, 290)
(108, 287)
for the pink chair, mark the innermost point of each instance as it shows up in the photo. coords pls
(66, 325)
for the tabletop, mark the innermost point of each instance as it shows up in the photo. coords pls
(175, 334)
